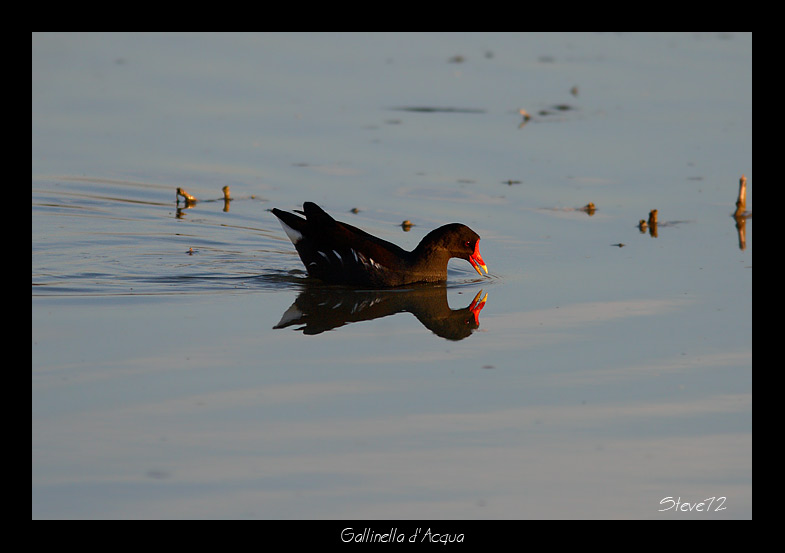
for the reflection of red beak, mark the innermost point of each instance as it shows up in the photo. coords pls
(476, 260)
(476, 306)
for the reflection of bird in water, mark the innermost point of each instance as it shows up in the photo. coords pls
(320, 308)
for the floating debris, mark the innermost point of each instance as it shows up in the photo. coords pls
(510, 182)
(542, 114)
(652, 223)
(407, 225)
(457, 59)
(741, 201)
(185, 195)
(436, 109)
(741, 214)
(619, 245)
(190, 200)
(354, 210)
(526, 117)
(227, 198)
(588, 208)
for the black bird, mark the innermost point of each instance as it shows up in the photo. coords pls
(339, 253)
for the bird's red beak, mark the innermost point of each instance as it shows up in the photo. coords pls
(476, 260)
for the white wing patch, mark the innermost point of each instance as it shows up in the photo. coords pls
(293, 235)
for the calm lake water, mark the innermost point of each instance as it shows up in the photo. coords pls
(184, 367)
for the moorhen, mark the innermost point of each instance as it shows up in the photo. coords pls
(339, 253)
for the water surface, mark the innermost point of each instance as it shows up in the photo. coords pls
(173, 379)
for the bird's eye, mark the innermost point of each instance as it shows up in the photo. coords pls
(468, 243)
